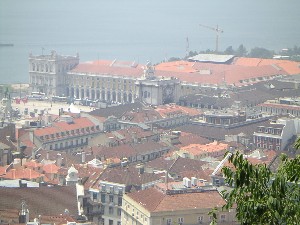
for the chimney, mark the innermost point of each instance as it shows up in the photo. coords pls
(167, 179)
(58, 160)
(24, 213)
(83, 157)
(47, 156)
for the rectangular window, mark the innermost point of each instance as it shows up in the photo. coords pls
(180, 220)
(103, 198)
(223, 218)
(95, 195)
(200, 219)
(111, 210)
(119, 212)
(169, 221)
(119, 201)
(111, 198)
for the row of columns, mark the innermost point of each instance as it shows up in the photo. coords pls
(102, 95)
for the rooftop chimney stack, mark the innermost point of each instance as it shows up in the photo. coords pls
(58, 160)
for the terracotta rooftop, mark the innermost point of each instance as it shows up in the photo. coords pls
(210, 73)
(155, 201)
(50, 168)
(197, 149)
(32, 164)
(189, 138)
(21, 173)
(291, 67)
(114, 68)
(166, 110)
(59, 127)
(128, 176)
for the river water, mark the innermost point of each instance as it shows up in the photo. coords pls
(138, 30)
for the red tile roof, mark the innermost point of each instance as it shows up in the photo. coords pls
(197, 149)
(21, 173)
(166, 110)
(32, 164)
(59, 127)
(104, 67)
(50, 168)
(216, 72)
(290, 67)
(155, 201)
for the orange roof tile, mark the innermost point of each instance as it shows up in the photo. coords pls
(50, 168)
(128, 69)
(32, 164)
(209, 73)
(59, 127)
(22, 174)
(166, 110)
(155, 201)
(197, 149)
(290, 67)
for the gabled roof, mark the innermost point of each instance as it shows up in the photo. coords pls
(106, 67)
(291, 67)
(155, 201)
(62, 126)
(50, 168)
(21, 173)
(128, 176)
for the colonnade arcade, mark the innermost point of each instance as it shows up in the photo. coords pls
(101, 95)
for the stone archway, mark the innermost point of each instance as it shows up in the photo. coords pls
(82, 94)
(87, 93)
(119, 99)
(103, 95)
(72, 93)
(114, 97)
(67, 91)
(125, 97)
(77, 93)
(93, 94)
(98, 94)
(108, 96)
(130, 98)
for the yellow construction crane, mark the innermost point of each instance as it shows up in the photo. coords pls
(217, 30)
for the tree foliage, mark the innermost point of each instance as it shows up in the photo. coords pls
(263, 197)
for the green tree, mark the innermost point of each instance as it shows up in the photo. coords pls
(241, 51)
(261, 53)
(229, 51)
(263, 197)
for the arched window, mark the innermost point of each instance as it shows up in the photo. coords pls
(33, 67)
(37, 67)
(145, 94)
(46, 68)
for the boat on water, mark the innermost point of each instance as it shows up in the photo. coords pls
(6, 45)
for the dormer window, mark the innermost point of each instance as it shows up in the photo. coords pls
(52, 135)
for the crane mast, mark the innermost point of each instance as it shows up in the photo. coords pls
(217, 30)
